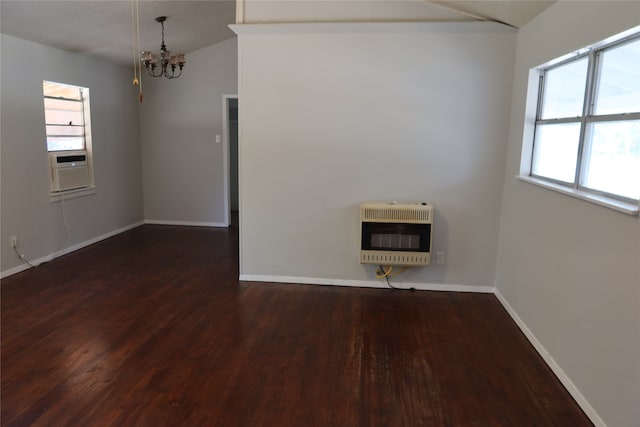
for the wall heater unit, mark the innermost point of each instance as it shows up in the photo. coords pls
(394, 233)
(69, 171)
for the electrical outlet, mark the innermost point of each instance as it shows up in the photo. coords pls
(440, 257)
(14, 241)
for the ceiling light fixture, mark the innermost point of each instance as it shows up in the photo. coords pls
(168, 62)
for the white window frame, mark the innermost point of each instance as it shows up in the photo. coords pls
(56, 196)
(533, 118)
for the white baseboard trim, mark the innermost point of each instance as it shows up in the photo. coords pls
(18, 269)
(65, 251)
(550, 361)
(364, 283)
(185, 223)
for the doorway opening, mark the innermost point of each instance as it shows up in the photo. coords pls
(230, 133)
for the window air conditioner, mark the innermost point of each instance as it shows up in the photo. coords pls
(69, 170)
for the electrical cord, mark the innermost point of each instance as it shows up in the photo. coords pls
(64, 220)
(385, 274)
(381, 274)
(22, 257)
(66, 233)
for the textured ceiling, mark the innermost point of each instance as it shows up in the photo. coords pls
(104, 28)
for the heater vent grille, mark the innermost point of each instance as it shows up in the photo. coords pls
(395, 258)
(386, 212)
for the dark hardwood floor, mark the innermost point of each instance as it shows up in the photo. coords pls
(152, 328)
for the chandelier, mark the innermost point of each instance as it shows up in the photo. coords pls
(168, 63)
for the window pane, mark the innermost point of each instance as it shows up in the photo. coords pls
(58, 90)
(564, 90)
(64, 118)
(65, 143)
(612, 159)
(58, 112)
(62, 104)
(65, 130)
(555, 151)
(60, 117)
(618, 88)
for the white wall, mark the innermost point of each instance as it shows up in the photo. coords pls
(26, 209)
(568, 268)
(182, 164)
(335, 114)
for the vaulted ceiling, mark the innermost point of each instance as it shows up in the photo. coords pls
(104, 28)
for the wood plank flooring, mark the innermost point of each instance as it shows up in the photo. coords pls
(152, 328)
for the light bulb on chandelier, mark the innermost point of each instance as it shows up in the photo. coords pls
(168, 63)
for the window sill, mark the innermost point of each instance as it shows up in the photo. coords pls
(71, 194)
(617, 205)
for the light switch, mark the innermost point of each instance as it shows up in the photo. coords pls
(218, 139)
